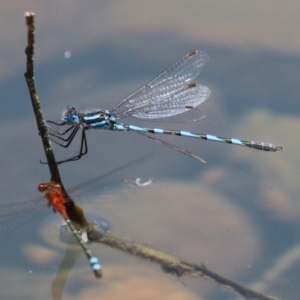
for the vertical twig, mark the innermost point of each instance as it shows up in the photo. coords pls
(29, 76)
(75, 213)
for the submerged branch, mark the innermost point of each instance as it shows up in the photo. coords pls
(173, 265)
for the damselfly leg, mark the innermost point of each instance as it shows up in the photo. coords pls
(59, 138)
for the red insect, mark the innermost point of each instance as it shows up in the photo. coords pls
(57, 199)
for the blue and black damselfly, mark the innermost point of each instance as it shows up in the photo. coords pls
(170, 97)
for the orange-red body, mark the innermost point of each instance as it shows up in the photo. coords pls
(55, 197)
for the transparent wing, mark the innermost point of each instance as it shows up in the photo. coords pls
(168, 83)
(178, 107)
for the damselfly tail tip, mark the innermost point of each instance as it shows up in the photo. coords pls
(98, 274)
(96, 266)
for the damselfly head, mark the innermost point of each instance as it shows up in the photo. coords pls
(70, 115)
(42, 187)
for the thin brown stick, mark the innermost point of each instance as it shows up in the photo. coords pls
(75, 213)
(29, 76)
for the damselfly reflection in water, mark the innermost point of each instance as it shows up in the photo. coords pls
(14, 214)
(58, 200)
(170, 97)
